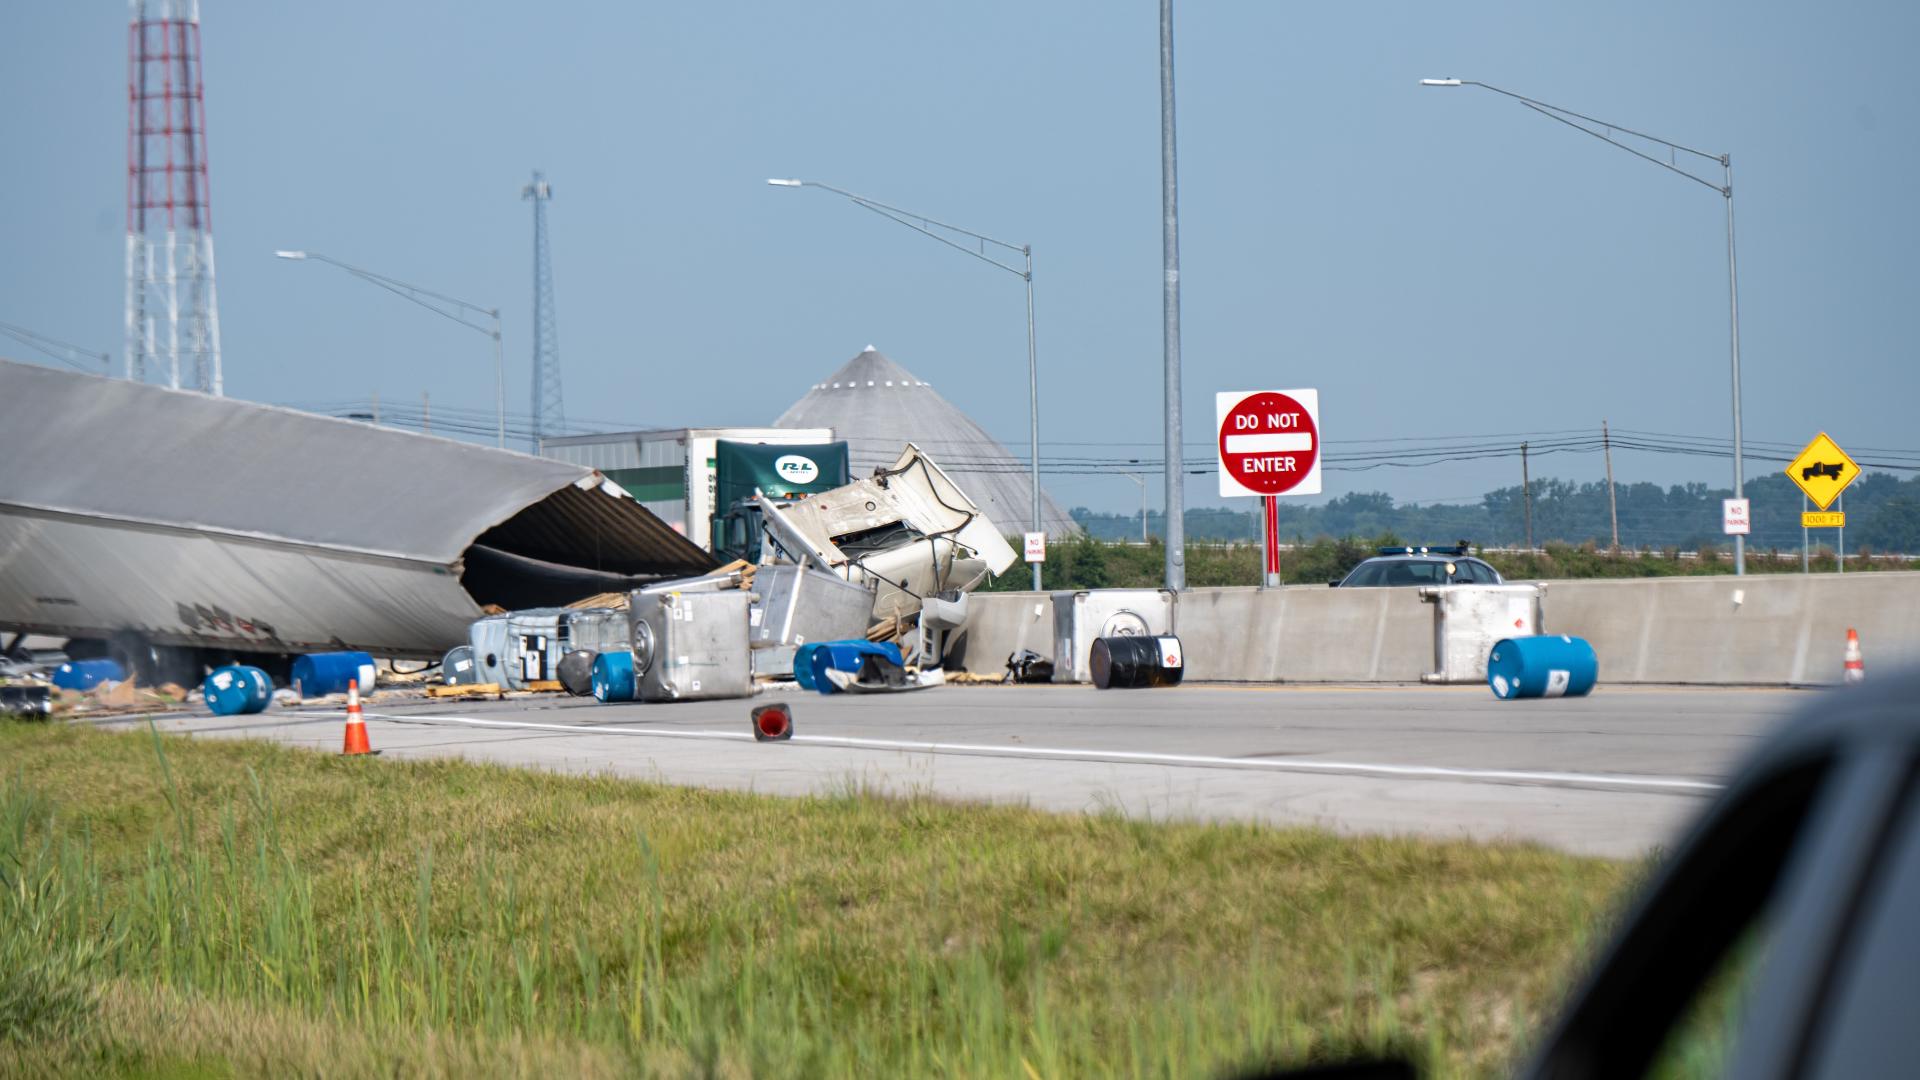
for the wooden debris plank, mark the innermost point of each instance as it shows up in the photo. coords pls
(466, 690)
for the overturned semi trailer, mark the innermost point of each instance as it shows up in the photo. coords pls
(173, 529)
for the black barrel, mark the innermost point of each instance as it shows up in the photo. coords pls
(576, 672)
(1129, 661)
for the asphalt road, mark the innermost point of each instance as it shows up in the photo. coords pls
(1616, 773)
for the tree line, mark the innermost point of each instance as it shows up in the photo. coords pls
(1883, 515)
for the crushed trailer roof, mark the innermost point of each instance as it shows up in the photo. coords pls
(126, 451)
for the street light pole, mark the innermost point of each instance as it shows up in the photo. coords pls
(1725, 188)
(499, 384)
(1733, 316)
(925, 225)
(1176, 524)
(433, 302)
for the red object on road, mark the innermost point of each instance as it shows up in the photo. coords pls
(772, 723)
(1269, 443)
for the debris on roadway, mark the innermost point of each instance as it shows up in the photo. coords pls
(866, 578)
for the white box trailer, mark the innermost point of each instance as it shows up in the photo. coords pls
(671, 471)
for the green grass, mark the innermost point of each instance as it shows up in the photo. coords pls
(178, 908)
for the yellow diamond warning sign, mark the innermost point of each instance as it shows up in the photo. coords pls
(1823, 471)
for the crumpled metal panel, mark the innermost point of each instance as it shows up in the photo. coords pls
(67, 575)
(949, 543)
(207, 521)
(579, 525)
(126, 451)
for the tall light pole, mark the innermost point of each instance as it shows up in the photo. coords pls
(432, 301)
(1170, 311)
(927, 226)
(1579, 122)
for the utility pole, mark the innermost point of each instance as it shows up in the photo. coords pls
(1526, 496)
(549, 415)
(1613, 508)
(1170, 317)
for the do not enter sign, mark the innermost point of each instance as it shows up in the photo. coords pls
(1269, 442)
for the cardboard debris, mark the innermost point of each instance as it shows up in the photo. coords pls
(892, 628)
(740, 569)
(114, 694)
(465, 690)
(171, 693)
(617, 601)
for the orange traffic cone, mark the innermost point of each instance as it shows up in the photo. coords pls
(1856, 666)
(772, 723)
(356, 723)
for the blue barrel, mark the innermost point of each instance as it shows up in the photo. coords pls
(803, 664)
(1551, 665)
(613, 676)
(322, 673)
(842, 656)
(237, 690)
(87, 674)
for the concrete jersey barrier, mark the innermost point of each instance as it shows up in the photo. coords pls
(1770, 630)
(1763, 630)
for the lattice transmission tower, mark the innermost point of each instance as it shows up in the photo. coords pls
(173, 313)
(549, 415)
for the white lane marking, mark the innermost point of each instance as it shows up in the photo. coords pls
(848, 742)
(1292, 442)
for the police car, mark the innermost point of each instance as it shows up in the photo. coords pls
(1419, 566)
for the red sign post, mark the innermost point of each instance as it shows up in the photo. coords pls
(1269, 445)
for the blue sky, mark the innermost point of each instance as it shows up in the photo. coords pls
(1436, 262)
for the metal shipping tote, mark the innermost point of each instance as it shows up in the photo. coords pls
(691, 646)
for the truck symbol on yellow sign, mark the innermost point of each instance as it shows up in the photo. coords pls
(1822, 470)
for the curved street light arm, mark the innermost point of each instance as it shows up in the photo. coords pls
(48, 345)
(1555, 112)
(899, 216)
(875, 204)
(1670, 167)
(414, 293)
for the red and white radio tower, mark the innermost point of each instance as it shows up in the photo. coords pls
(172, 311)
